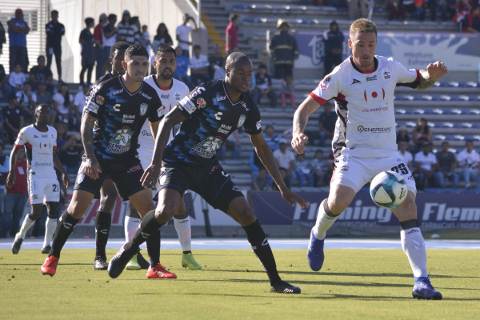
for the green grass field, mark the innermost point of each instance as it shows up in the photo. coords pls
(354, 284)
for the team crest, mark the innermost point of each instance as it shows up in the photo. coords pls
(201, 103)
(241, 120)
(143, 109)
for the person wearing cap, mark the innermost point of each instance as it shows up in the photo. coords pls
(284, 50)
(333, 46)
(17, 35)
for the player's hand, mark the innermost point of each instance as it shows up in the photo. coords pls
(436, 70)
(10, 179)
(298, 142)
(293, 198)
(65, 180)
(91, 168)
(150, 176)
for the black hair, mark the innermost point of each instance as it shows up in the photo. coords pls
(89, 20)
(120, 46)
(112, 16)
(54, 11)
(165, 48)
(196, 46)
(136, 50)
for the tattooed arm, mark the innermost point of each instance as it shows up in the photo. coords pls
(90, 165)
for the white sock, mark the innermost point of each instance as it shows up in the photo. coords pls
(414, 247)
(26, 225)
(50, 225)
(324, 222)
(184, 232)
(131, 227)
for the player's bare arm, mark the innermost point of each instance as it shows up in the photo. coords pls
(150, 176)
(300, 120)
(266, 157)
(433, 72)
(90, 165)
(60, 168)
(13, 160)
(154, 128)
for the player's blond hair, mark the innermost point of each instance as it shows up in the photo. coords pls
(363, 25)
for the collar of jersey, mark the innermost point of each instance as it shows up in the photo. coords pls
(356, 68)
(228, 97)
(124, 87)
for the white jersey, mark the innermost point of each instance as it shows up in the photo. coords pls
(364, 104)
(39, 149)
(169, 98)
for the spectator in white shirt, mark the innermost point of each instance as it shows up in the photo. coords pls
(303, 171)
(199, 66)
(285, 161)
(468, 162)
(183, 34)
(27, 98)
(17, 78)
(405, 154)
(425, 172)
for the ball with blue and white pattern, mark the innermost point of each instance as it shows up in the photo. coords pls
(388, 189)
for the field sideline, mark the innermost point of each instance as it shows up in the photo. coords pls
(354, 284)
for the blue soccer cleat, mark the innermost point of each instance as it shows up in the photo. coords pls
(423, 289)
(315, 252)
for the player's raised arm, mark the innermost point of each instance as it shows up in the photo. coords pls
(300, 120)
(433, 72)
(266, 157)
(165, 126)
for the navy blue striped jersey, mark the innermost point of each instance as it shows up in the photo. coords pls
(211, 118)
(120, 115)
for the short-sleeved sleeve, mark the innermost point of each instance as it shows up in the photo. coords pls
(253, 122)
(95, 101)
(54, 140)
(327, 89)
(194, 101)
(156, 110)
(404, 76)
(22, 138)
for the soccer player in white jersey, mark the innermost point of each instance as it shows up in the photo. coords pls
(364, 141)
(170, 91)
(40, 142)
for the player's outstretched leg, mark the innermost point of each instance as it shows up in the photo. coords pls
(132, 224)
(184, 232)
(318, 233)
(413, 245)
(148, 227)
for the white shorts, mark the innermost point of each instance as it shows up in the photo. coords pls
(42, 190)
(355, 172)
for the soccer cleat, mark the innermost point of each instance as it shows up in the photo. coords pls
(315, 252)
(100, 263)
(285, 287)
(46, 249)
(49, 267)
(133, 264)
(423, 289)
(159, 272)
(119, 261)
(144, 264)
(189, 262)
(17, 244)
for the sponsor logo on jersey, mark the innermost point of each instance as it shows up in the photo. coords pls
(161, 111)
(224, 128)
(117, 107)
(241, 120)
(164, 96)
(387, 75)
(92, 107)
(221, 98)
(99, 99)
(362, 129)
(143, 109)
(146, 96)
(128, 118)
(201, 103)
(355, 81)
(372, 78)
(117, 92)
(208, 147)
(121, 141)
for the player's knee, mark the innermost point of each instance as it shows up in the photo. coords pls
(243, 215)
(107, 201)
(53, 210)
(165, 211)
(336, 205)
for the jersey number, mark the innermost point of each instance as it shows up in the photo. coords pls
(401, 168)
(54, 187)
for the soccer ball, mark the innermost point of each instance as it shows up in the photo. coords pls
(388, 189)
